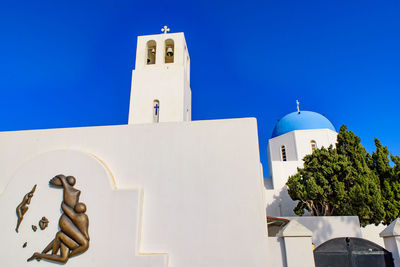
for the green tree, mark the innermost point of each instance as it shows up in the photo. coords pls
(338, 181)
(389, 180)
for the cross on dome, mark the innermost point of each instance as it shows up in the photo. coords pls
(298, 106)
(165, 30)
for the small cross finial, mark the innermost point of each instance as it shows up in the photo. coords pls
(298, 106)
(165, 30)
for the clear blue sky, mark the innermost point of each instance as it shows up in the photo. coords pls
(68, 63)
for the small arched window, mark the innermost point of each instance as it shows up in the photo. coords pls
(169, 51)
(283, 153)
(151, 50)
(313, 145)
(156, 111)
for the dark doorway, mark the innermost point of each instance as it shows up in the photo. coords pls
(351, 252)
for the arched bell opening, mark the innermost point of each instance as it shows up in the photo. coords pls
(169, 51)
(151, 51)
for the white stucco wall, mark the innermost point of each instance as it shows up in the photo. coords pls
(282, 170)
(279, 202)
(203, 201)
(276, 247)
(289, 141)
(297, 145)
(323, 138)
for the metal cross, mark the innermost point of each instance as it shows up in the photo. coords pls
(165, 30)
(156, 107)
(298, 106)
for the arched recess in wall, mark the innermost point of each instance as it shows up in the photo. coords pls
(169, 51)
(156, 111)
(283, 153)
(151, 51)
(313, 145)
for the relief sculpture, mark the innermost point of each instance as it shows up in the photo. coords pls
(43, 223)
(23, 207)
(73, 237)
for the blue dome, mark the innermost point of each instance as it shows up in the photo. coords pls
(305, 120)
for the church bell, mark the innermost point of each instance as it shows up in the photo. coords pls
(170, 53)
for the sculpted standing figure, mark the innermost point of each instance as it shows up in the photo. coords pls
(73, 237)
(23, 207)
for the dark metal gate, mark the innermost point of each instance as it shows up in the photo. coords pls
(351, 252)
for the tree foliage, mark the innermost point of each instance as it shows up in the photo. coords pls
(389, 179)
(346, 180)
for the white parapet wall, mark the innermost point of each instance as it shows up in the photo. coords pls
(328, 227)
(391, 237)
(195, 193)
(298, 245)
(371, 232)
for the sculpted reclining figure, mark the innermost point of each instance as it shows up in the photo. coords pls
(73, 237)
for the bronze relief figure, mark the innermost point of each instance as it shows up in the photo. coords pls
(43, 223)
(73, 237)
(23, 207)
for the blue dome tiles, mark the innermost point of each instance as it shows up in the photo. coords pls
(305, 120)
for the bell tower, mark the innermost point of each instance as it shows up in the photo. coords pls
(160, 90)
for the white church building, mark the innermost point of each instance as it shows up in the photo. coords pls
(295, 135)
(99, 196)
